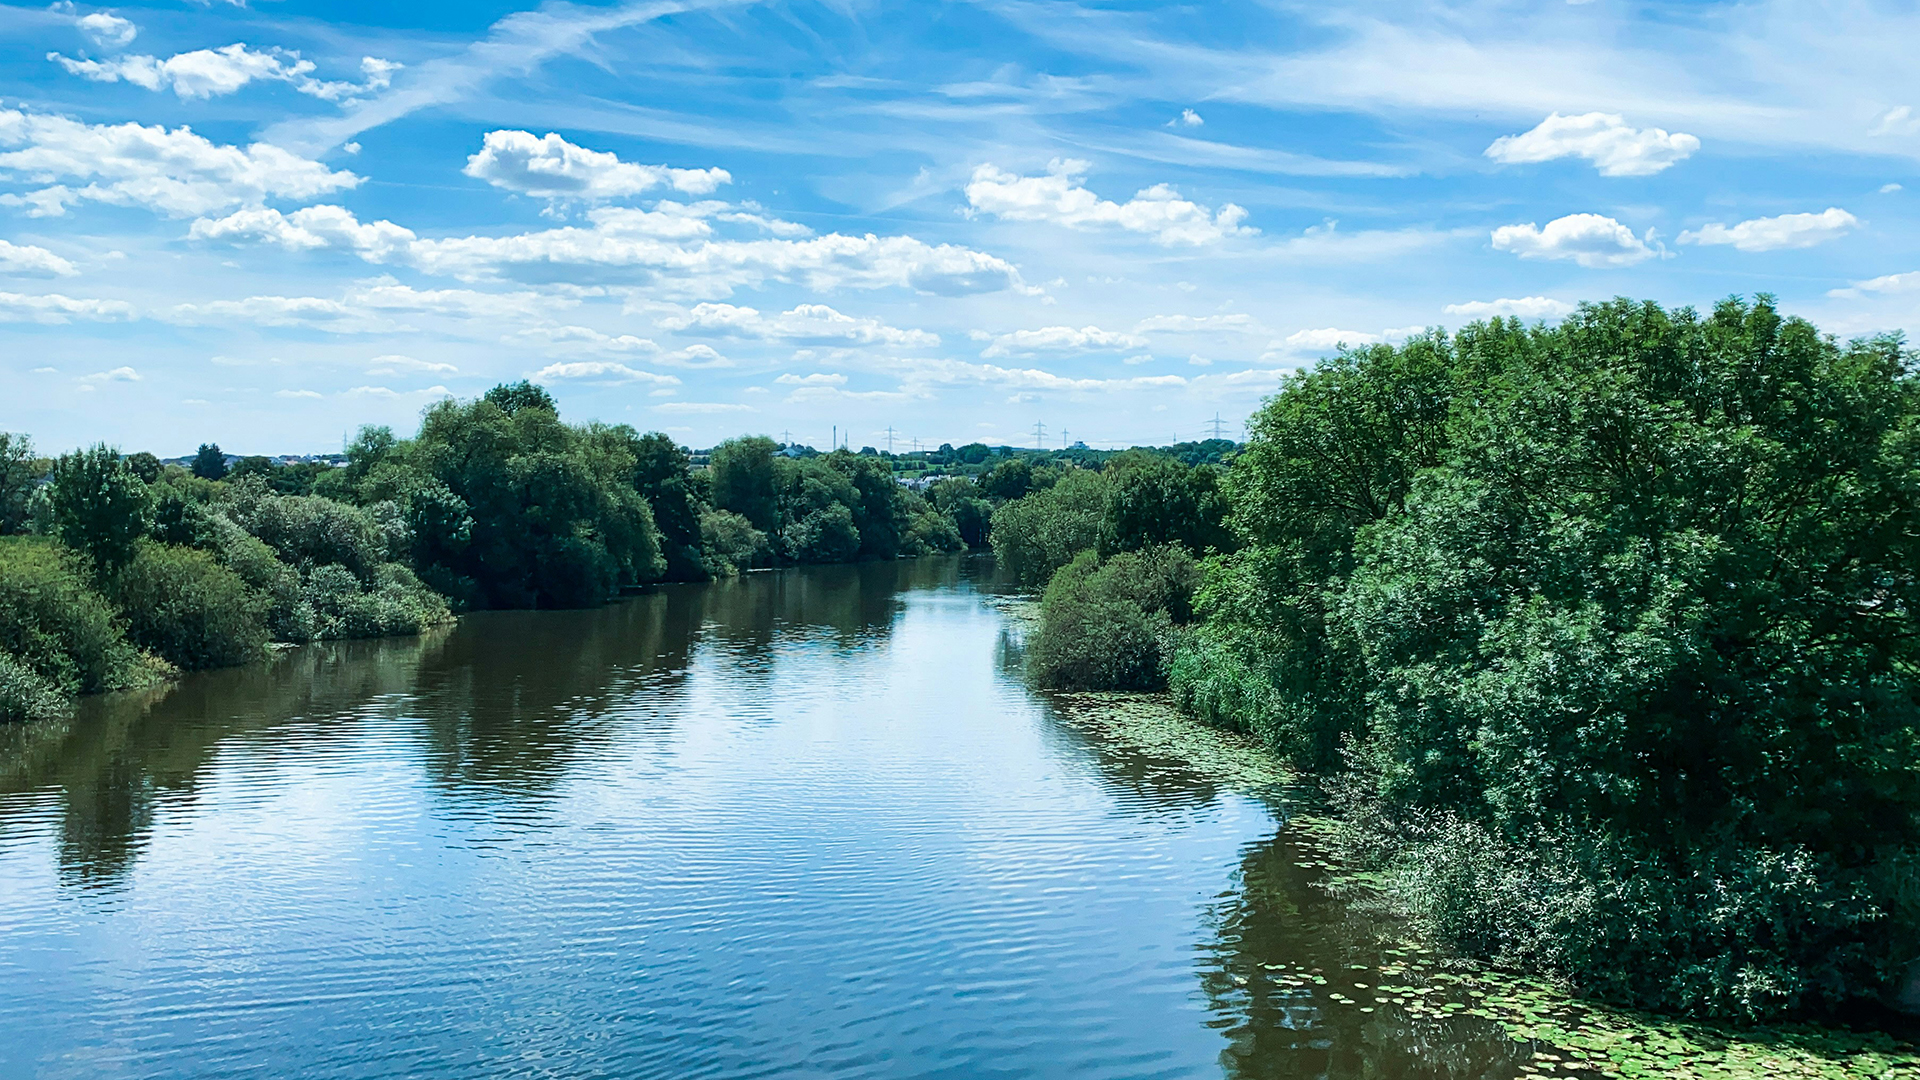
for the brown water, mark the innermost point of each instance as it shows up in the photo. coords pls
(807, 823)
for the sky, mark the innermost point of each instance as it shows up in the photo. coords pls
(264, 224)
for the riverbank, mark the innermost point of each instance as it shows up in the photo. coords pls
(1395, 979)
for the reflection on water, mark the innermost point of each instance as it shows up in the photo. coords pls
(804, 823)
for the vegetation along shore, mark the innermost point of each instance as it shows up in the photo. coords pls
(1598, 640)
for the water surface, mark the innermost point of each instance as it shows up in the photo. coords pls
(807, 823)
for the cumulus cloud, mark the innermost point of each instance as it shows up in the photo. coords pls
(1236, 322)
(174, 172)
(55, 308)
(371, 307)
(28, 260)
(396, 364)
(1060, 339)
(1591, 240)
(1775, 233)
(1886, 284)
(119, 374)
(808, 324)
(818, 378)
(1526, 307)
(1061, 198)
(1604, 139)
(604, 372)
(624, 244)
(551, 167)
(206, 73)
(105, 29)
(1322, 339)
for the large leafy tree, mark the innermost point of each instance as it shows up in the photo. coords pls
(98, 508)
(17, 476)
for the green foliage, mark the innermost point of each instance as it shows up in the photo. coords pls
(26, 695)
(210, 462)
(98, 508)
(17, 474)
(825, 535)
(510, 398)
(1105, 625)
(1011, 479)
(1034, 536)
(53, 622)
(186, 608)
(743, 481)
(1155, 500)
(731, 543)
(1618, 620)
(661, 475)
(961, 499)
(145, 466)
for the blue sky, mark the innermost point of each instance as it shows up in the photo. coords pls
(267, 223)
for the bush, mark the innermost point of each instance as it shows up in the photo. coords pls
(53, 622)
(731, 542)
(823, 536)
(186, 608)
(1036, 535)
(1106, 625)
(26, 695)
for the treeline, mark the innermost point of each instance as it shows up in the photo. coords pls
(1602, 637)
(120, 570)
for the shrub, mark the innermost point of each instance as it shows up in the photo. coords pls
(823, 536)
(27, 695)
(1105, 625)
(53, 622)
(731, 542)
(186, 608)
(1034, 536)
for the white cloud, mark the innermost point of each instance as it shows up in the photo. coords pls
(605, 372)
(173, 172)
(296, 393)
(206, 73)
(814, 324)
(107, 30)
(1526, 307)
(1059, 197)
(119, 374)
(388, 392)
(921, 376)
(395, 364)
(1592, 240)
(29, 260)
(1236, 322)
(1190, 118)
(702, 407)
(1888, 189)
(1886, 284)
(1899, 120)
(55, 308)
(1774, 233)
(816, 379)
(370, 307)
(688, 266)
(551, 167)
(1323, 339)
(1061, 339)
(1601, 138)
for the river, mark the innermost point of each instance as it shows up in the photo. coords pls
(806, 823)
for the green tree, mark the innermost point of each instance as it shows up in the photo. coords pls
(145, 466)
(743, 480)
(210, 462)
(1157, 500)
(510, 398)
(98, 507)
(186, 608)
(1037, 535)
(17, 476)
(1011, 479)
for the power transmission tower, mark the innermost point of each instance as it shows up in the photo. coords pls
(1218, 425)
(889, 440)
(786, 438)
(1039, 435)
